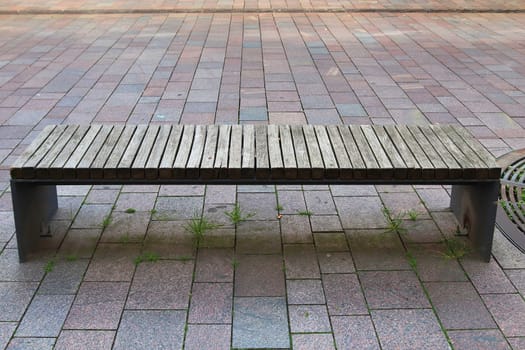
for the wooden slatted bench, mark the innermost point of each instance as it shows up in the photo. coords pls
(248, 154)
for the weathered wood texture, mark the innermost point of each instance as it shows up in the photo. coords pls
(280, 153)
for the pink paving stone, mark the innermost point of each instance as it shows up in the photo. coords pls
(490, 339)
(211, 303)
(259, 275)
(509, 312)
(213, 337)
(343, 295)
(214, 265)
(316, 341)
(85, 340)
(301, 261)
(487, 278)
(354, 332)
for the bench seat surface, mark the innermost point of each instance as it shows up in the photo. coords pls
(278, 152)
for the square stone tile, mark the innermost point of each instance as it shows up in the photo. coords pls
(421, 231)
(7, 225)
(507, 255)
(400, 203)
(309, 319)
(73, 190)
(360, 213)
(15, 297)
(85, 340)
(135, 331)
(140, 188)
(45, 316)
(100, 196)
(377, 250)
(296, 229)
(301, 261)
(432, 265)
(343, 295)
(222, 237)
(217, 194)
(168, 232)
(91, 216)
(124, 227)
(509, 312)
(335, 262)
(408, 329)
(261, 205)
(208, 336)
(320, 202)
(13, 270)
(214, 265)
(182, 190)
(518, 279)
(161, 285)
(80, 243)
(435, 199)
(217, 214)
(98, 305)
(326, 223)
(459, 306)
(487, 339)
(446, 222)
(517, 343)
(211, 303)
(305, 292)
(487, 278)
(353, 191)
(31, 343)
(292, 202)
(354, 332)
(393, 290)
(260, 322)
(6, 331)
(177, 208)
(313, 341)
(113, 262)
(258, 237)
(259, 275)
(330, 241)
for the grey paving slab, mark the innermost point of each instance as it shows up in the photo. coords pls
(124, 227)
(435, 199)
(163, 284)
(45, 316)
(432, 265)
(168, 232)
(80, 243)
(7, 225)
(301, 261)
(221, 237)
(136, 201)
(260, 322)
(177, 208)
(92, 216)
(259, 275)
(506, 254)
(296, 229)
(68, 207)
(182, 190)
(13, 271)
(214, 265)
(458, 306)
(309, 319)
(487, 339)
(73, 190)
(509, 312)
(135, 330)
(330, 242)
(353, 191)
(377, 250)
(421, 231)
(320, 202)
(113, 262)
(291, 202)
(305, 292)
(518, 279)
(336, 262)
(258, 237)
(408, 329)
(15, 297)
(225, 194)
(102, 196)
(216, 213)
(517, 343)
(393, 290)
(211, 303)
(85, 340)
(140, 188)
(313, 341)
(343, 295)
(399, 203)
(6, 331)
(354, 332)
(487, 278)
(98, 305)
(360, 213)
(209, 336)
(326, 223)
(31, 343)
(261, 205)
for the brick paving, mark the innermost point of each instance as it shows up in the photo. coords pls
(281, 279)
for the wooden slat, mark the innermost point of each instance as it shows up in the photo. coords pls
(194, 161)
(414, 168)
(110, 166)
(359, 170)
(166, 167)
(454, 169)
(235, 157)
(275, 152)
(262, 162)
(440, 168)
(96, 170)
(401, 170)
(248, 151)
(301, 152)
(373, 170)
(28, 170)
(427, 168)
(316, 160)
(124, 166)
(138, 167)
(223, 150)
(83, 167)
(42, 168)
(69, 168)
(56, 168)
(210, 150)
(179, 167)
(343, 161)
(153, 163)
(482, 171)
(329, 160)
(289, 161)
(30, 150)
(482, 152)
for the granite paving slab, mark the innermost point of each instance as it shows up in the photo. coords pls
(15, 297)
(85, 340)
(490, 339)
(354, 332)
(45, 316)
(212, 336)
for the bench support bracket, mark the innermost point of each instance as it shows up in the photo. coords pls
(33, 206)
(475, 207)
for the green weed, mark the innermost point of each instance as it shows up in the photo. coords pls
(236, 215)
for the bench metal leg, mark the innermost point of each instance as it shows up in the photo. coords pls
(33, 206)
(475, 207)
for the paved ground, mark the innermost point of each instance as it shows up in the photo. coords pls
(335, 278)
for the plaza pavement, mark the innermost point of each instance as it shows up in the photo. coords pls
(314, 267)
